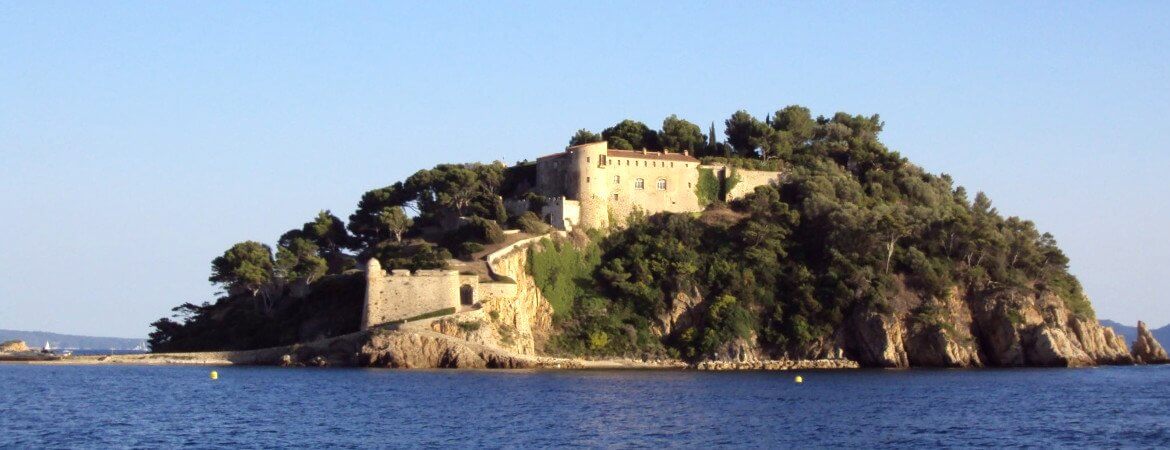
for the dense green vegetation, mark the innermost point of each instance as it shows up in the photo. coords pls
(852, 223)
(852, 226)
(280, 297)
(708, 189)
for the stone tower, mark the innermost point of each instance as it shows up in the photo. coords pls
(592, 189)
(375, 284)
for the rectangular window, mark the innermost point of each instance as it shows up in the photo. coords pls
(615, 196)
(586, 179)
(617, 179)
(662, 184)
(639, 184)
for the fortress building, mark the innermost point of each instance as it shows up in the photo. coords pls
(593, 186)
(586, 186)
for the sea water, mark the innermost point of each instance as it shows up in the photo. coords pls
(168, 406)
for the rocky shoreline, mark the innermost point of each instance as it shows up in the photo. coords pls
(410, 349)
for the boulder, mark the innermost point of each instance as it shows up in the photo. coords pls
(1146, 349)
(16, 346)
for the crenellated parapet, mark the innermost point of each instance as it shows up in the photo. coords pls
(400, 295)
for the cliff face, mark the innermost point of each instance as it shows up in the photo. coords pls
(520, 324)
(1146, 349)
(982, 329)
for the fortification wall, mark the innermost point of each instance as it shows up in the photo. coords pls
(749, 180)
(678, 181)
(562, 213)
(402, 295)
(610, 185)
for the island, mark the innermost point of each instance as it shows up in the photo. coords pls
(793, 242)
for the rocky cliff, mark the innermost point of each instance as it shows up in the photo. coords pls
(1146, 349)
(520, 324)
(425, 349)
(972, 329)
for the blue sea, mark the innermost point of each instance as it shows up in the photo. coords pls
(171, 406)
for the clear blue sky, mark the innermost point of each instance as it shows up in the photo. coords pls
(140, 140)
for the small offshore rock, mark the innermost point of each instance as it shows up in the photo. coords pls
(1146, 349)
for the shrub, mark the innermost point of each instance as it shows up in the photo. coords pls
(530, 223)
(563, 272)
(598, 340)
(482, 230)
(469, 248)
(708, 187)
(411, 257)
(745, 163)
(476, 229)
(536, 202)
(469, 327)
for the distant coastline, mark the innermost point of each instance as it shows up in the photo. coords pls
(71, 341)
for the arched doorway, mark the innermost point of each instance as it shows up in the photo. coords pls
(466, 294)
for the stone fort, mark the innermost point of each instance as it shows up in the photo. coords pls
(592, 185)
(588, 186)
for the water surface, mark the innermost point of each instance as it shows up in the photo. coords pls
(140, 406)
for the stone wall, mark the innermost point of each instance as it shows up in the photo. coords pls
(402, 295)
(749, 180)
(665, 186)
(561, 213)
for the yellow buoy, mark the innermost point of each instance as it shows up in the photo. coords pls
(214, 375)
(799, 379)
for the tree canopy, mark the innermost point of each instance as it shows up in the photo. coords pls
(678, 135)
(631, 135)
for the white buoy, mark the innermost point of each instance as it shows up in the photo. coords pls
(799, 379)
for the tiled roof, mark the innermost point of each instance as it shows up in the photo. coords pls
(661, 156)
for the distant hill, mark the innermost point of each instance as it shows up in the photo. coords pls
(1130, 332)
(37, 339)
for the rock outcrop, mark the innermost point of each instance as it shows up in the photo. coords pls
(879, 340)
(1146, 349)
(427, 350)
(1003, 329)
(519, 324)
(13, 346)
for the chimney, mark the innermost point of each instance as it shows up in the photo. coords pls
(686, 153)
(643, 150)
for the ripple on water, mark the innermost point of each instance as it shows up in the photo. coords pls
(123, 406)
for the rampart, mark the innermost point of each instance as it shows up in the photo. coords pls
(401, 295)
(748, 180)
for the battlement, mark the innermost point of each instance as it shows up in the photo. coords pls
(400, 294)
